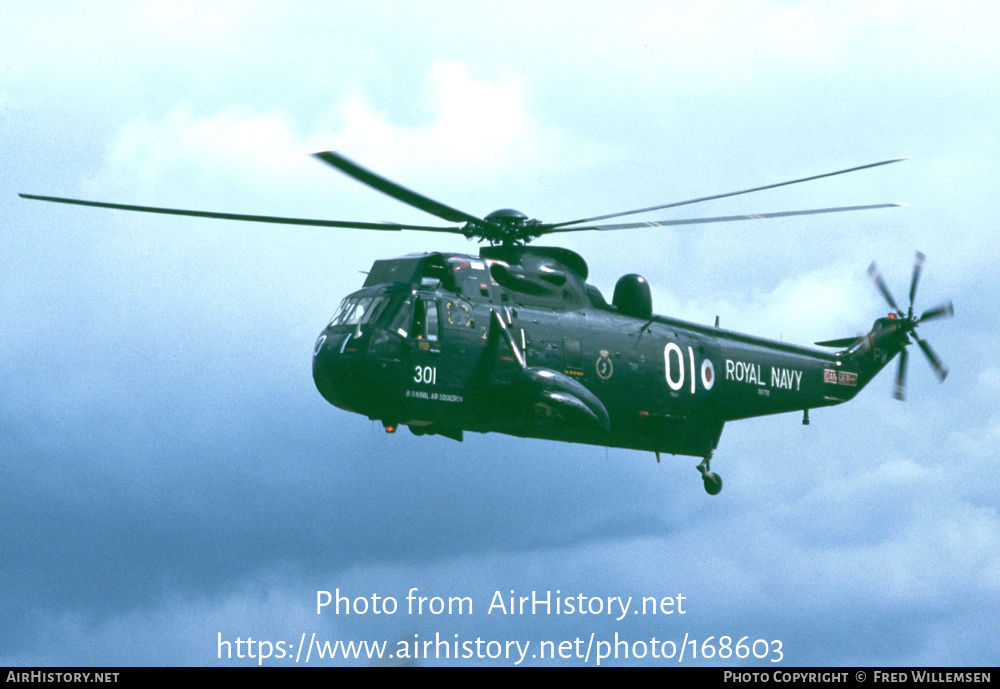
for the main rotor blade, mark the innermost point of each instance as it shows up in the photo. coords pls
(722, 196)
(397, 191)
(248, 218)
(945, 310)
(727, 218)
(880, 283)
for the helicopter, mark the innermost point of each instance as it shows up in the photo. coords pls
(515, 340)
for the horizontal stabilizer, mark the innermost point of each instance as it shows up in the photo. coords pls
(840, 344)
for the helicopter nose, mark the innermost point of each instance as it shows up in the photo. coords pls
(337, 368)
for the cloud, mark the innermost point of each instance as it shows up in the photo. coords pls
(827, 303)
(180, 630)
(473, 132)
(181, 151)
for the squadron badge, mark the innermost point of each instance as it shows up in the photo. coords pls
(604, 366)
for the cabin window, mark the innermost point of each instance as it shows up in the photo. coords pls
(458, 314)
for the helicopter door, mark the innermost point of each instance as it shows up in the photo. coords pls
(441, 337)
(425, 348)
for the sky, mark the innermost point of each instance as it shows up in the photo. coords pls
(172, 482)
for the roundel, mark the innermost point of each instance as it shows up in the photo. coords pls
(707, 374)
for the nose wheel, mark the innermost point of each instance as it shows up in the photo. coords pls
(713, 482)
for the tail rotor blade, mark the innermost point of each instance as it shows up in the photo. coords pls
(880, 283)
(939, 368)
(899, 392)
(944, 311)
(918, 264)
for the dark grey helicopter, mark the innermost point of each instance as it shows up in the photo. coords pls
(514, 340)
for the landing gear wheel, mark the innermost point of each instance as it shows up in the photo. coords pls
(713, 482)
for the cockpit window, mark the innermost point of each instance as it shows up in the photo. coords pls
(358, 310)
(401, 321)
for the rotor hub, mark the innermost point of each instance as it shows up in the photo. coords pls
(507, 217)
(506, 226)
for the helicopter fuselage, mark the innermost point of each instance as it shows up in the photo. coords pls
(447, 343)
